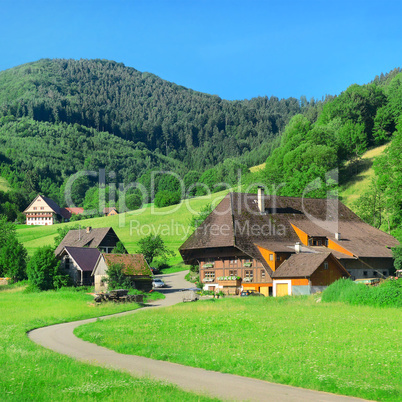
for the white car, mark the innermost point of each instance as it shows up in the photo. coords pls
(158, 283)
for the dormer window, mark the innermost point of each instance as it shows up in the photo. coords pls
(317, 241)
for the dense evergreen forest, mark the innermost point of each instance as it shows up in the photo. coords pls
(60, 116)
(199, 129)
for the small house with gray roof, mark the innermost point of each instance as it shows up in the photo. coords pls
(248, 237)
(104, 239)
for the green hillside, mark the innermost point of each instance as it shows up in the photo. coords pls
(197, 128)
(172, 223)
(361, 175)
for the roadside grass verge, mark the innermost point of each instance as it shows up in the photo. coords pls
(333, 347)
(172, 223)
(30, 372)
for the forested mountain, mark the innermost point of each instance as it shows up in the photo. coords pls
(199, 129)
(58, 117)
(61, 116)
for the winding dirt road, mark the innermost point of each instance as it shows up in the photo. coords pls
(61, 339)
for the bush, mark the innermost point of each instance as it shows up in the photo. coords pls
(13, 260)
(387, 294)
(116, 277)
(165, 198)
(44, 270)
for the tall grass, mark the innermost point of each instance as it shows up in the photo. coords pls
(350, 350)
(387, 294)
(29, 372)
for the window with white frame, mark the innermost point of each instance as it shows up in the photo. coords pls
(210, 274)
(249, 274)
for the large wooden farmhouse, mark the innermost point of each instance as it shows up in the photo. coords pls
(285, 245)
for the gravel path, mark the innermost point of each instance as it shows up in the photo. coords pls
(61, 339)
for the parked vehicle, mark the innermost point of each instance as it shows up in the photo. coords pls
(158, 283)
(245, 293)
(369, 281)
(154, 270)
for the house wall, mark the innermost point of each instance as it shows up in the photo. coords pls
(236, 267)
(39, 213)
(39, 218)
(369, 267)
(324, 277)
(109, 243)
(71, 268)
(100, 285)
(264, 288)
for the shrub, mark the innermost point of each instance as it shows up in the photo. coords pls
(116, 278)
(13, 260)
(387, 294)
(44, 270)
(165, 198)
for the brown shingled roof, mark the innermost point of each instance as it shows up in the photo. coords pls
(245, 226)
(134, 264)
(80, 238)
(300, 265)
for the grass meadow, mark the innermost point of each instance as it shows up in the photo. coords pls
(172, 223)
(360, 182)
(333, 347)
(30, 372)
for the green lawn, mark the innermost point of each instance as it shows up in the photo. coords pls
(170, 222)
(350, 350)
(30, 372)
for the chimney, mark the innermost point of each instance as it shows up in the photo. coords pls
(298, 247)
(89, 228)
(337, 236)
(260, 198)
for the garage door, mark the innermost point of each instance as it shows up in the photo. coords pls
(281, 289)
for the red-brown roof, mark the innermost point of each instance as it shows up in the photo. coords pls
(134, 264)
(76, 210)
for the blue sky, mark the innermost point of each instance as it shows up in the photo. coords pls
(234, 49)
